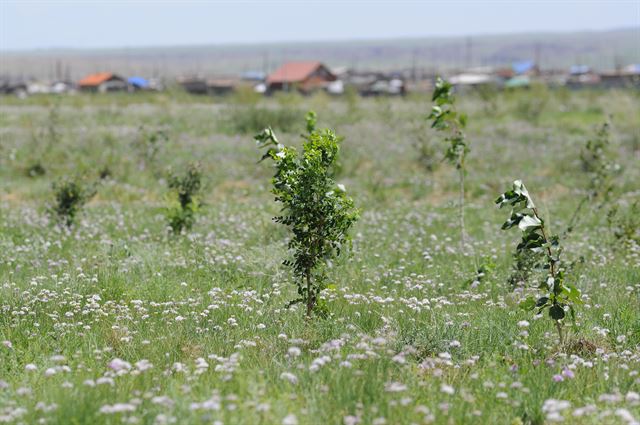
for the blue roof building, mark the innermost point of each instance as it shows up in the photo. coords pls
(522, 67)
(138, 82)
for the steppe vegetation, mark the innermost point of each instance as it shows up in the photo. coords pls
(141, 274)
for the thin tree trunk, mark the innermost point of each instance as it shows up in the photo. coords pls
(309, 296)
(463, 235)
(559, 328)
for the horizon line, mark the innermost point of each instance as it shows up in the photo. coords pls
(365, 39)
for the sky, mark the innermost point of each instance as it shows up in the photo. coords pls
(28, 24)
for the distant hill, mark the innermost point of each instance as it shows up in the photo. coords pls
(601, 50)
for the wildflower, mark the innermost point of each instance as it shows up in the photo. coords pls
(117, 408)
(105, 381)
(290, 419)
(568, 373)
(162, 400)
(447, 389)
(395, 387)
(293, 379)
(7, 344)
(351, 420)
(119, 364)
(294, 352)
(143, 365)
(632, 397)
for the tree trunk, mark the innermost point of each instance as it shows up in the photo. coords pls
(309, 296)
(463, 233)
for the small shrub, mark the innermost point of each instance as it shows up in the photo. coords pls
(483, 272)
(625, 224)
(426, 152)
(531, 106)
(488, 94)
(316, 209)
(181, 213)
(70, 196)
(246, 95)
(560, 294)
(105, 173)
(525, 262)
(53, 123)
(594, 154)
(596, 162)
(242, 119)
(148, 143)
(35, 170)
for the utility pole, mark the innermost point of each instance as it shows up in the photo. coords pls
(414, 55)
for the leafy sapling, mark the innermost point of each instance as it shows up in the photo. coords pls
(445, 118)
(70, 195)
(483, 272)
(597, 162)
(181, 213)
(148, 143)
(560, 295)
(315, 209)
(425, 148)
(624, 224)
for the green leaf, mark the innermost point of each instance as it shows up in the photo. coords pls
(528, 304)
(556, 312)
(463, 120)
(542, 301)
(528, 222)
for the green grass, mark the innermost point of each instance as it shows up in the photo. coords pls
(405, 329)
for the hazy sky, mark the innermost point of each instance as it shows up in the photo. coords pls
(28, 24)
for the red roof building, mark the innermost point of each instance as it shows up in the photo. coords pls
(303, 76)
(102, 82)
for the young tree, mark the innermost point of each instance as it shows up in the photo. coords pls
(316, 209)
(447, 119)
(598, 163)
(181, 215)
(535, 239)
(70, 196)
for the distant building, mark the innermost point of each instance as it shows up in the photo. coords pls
(193, 85)
(222, 86)
(255, 76)
(517, 82)
(103, 82)
(210, 86)
(525, 67)
(375, 83)
(581, 76)
(625, 78)
(62, 86)
(305, 77)
(15, 86)
(472, 79)
(138, 83)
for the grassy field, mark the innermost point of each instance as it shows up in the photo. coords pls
(115, 320)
